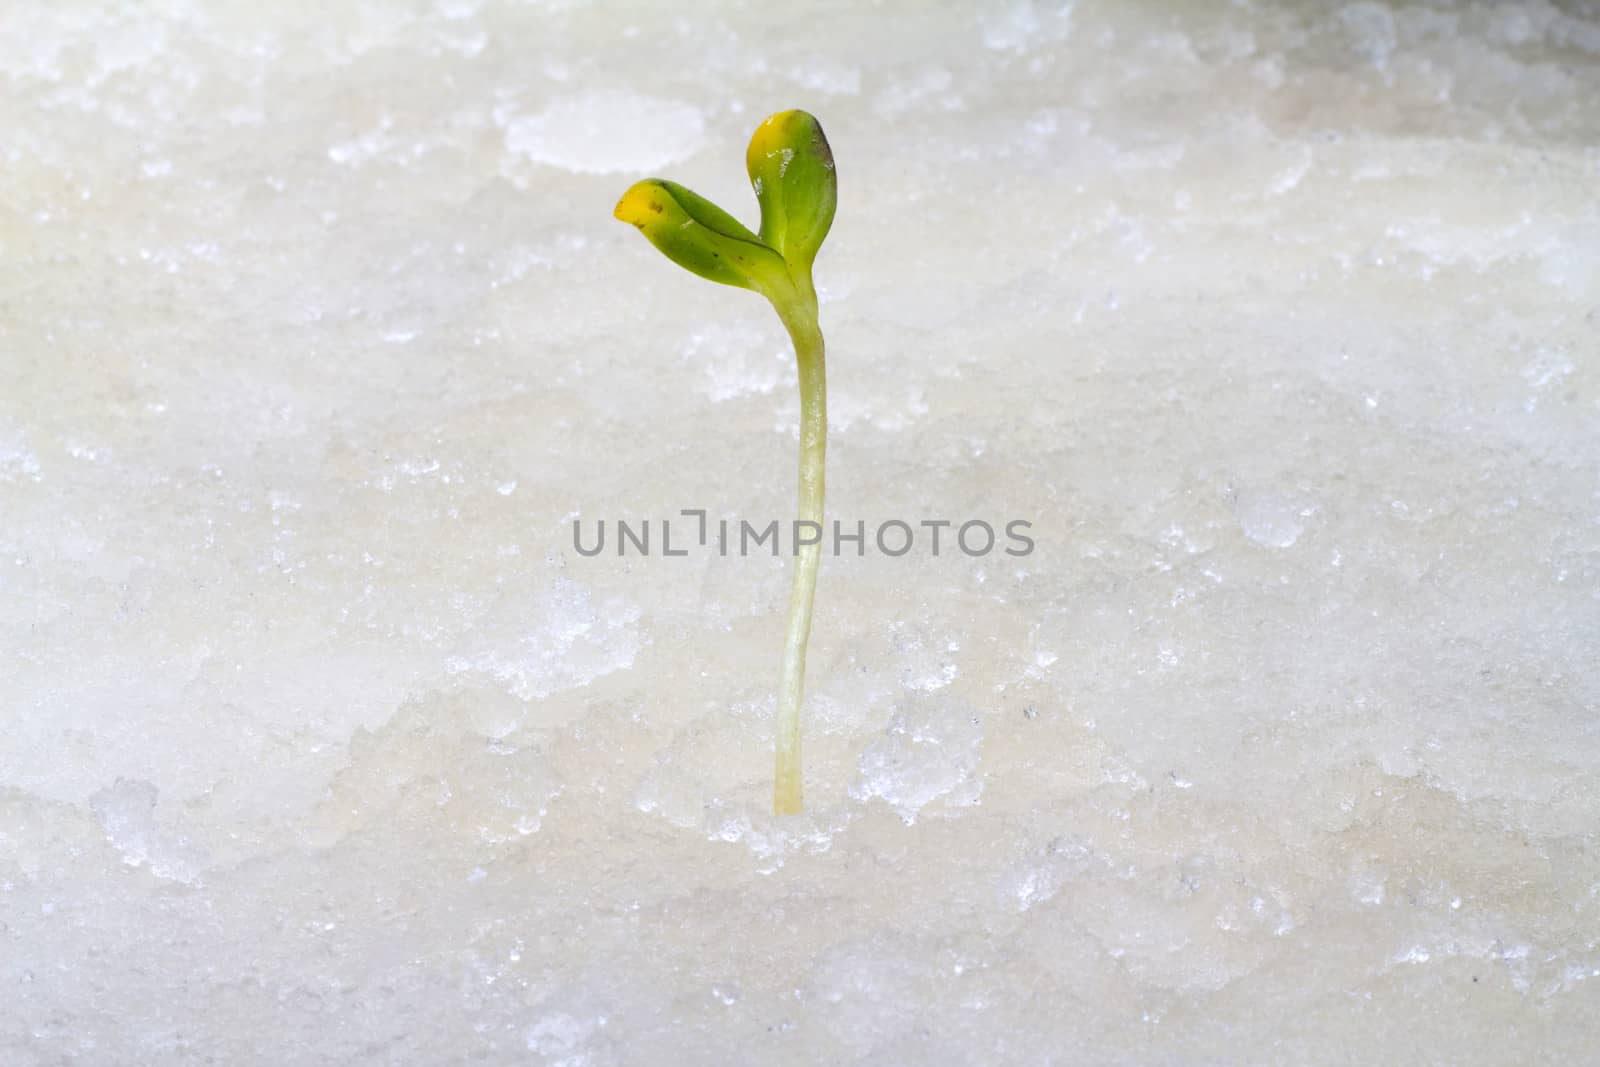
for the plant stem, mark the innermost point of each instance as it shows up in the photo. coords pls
(800, 318)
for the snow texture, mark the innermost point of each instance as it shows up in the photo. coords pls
(1280, 322)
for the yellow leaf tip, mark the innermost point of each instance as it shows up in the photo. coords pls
(639, 204)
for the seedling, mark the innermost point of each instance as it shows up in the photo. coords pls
(791, 168)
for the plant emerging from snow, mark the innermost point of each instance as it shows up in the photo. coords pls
(791, 168)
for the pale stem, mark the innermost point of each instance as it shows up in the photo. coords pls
(800, 317)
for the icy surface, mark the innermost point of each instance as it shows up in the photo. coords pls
(321, 744)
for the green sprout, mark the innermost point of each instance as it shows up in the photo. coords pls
(791, 168)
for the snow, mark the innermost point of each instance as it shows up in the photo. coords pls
(1278, 322)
